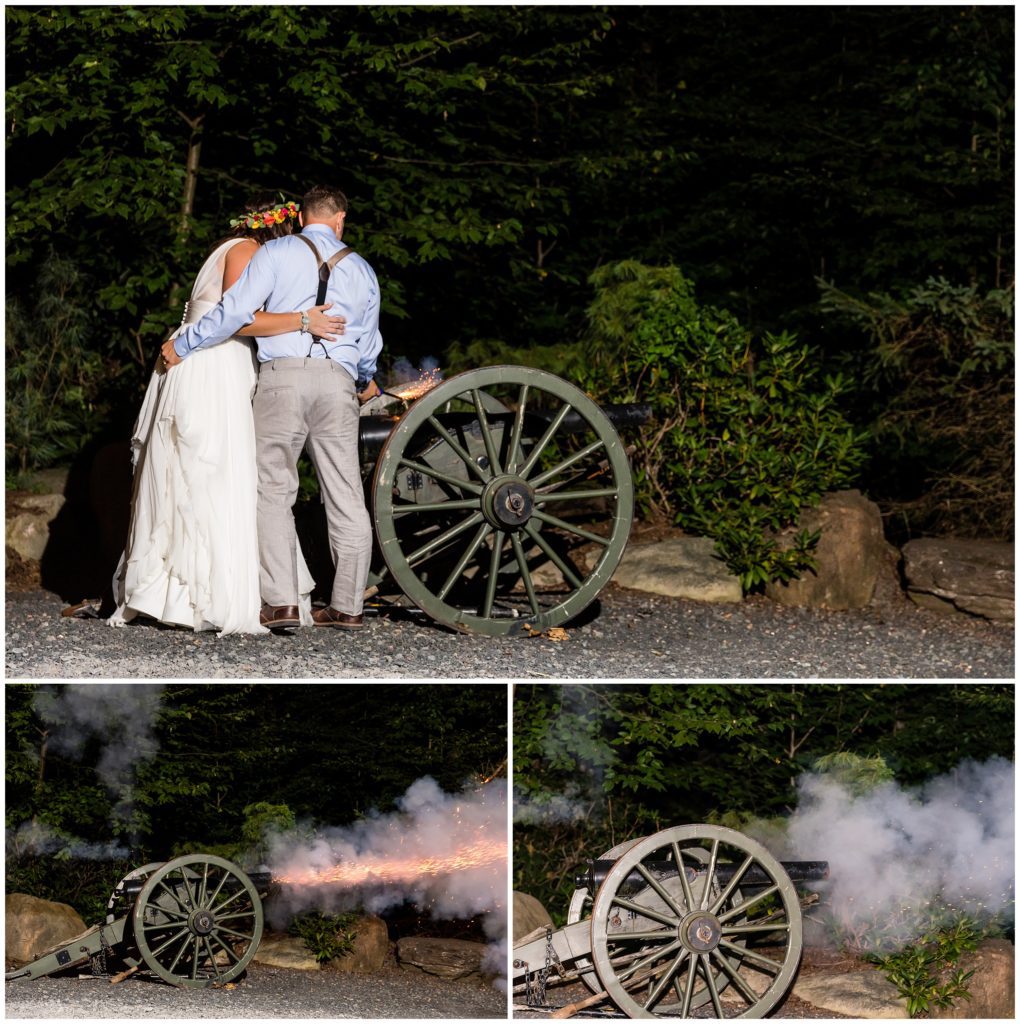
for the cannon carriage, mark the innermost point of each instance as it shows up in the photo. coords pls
(501, 499)
(694, 921)
(194, 921)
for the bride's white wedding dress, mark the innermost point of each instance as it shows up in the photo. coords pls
(192, 551)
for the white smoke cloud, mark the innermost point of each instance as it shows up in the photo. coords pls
(121, 717)
(404, 370)
(39, 839)
(894, 853)
(445, 853)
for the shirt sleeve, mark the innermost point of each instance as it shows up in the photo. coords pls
(370, 343)
(234, 311)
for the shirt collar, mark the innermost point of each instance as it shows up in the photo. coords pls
(318, 229)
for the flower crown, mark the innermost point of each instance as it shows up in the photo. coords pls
(256, 219)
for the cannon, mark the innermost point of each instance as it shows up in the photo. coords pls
(194, 921)
(696, 920)
(486, 481)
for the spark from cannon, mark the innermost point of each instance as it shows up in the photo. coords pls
(413, 390)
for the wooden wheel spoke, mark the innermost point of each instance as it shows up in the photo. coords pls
(180, 953)
(203, 888)
(654, 915)
(567, 463)
(443, 539)
(211, 955)
(229, 900)
(731, 886)
(230, 917)
(169, 942)
(536, 452)
(437, 506)
(226, 948)
(483, 531)
(176, 898)
(498, 540)
(713, 858)
(237, 935)
(666, 980)
(752, 929)
(446, 478)
(194, 958)
(522, 563)
(483, 422)
(465, 456)
(710, 982)
(582, 495)
(749, 902)
(749, 954)
(657, 886)
(657, 954)
(678, 860)
(692, 973)
(514, 448)
(568, 574)
(654, 936)
(545, 517)
(742, 986)
(187, 887)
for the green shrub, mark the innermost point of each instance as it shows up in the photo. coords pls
(938, 383)
(745, 433)
(85, 885)
(327, 936)
(54, 378)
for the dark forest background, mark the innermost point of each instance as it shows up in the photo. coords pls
(207, 768)
(838, 178)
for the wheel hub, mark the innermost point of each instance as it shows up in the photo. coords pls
(508, 502)
(202, 922)
(700, 932)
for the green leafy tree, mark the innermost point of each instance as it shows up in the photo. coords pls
(744, 433)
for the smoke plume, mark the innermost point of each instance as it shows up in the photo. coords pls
(121, 717)
(895, 853)
(404, 370)
(445, 853)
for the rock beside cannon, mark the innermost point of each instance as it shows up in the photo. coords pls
(679, 567)
(371, 948)
(33, 925)
(452, 959)
(975, 577)
(991, 986)
(528, 915)
(286, 951)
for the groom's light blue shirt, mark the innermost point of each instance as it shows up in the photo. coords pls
(282, 277)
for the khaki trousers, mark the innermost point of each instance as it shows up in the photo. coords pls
(310, 403)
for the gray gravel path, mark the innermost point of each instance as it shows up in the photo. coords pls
(264, 992)
(626, 635)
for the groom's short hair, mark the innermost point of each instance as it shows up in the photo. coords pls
(323, 201)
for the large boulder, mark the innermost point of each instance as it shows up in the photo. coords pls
(529, 914)
(679, 567)
(446, 958)
(990, 986)
(286, 951)
(28, 522)
(975, 577)
(34, 925)
(371, 947)
(865, 994)
(850, 556)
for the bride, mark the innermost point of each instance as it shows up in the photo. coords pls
(192, 551)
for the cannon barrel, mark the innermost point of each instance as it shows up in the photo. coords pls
(594, 873)
(374, 430)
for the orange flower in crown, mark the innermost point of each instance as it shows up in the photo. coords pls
(255, 219)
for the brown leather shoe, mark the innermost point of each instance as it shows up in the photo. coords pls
(329, 616)
(284, 616)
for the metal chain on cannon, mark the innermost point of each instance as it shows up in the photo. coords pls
(535, 982)
(98, 960)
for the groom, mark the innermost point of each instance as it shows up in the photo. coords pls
(308, 392)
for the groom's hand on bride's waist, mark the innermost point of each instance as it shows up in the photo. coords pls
(169, 353)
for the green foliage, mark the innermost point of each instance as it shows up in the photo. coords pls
(744, 434)
(940, 379)
(327, 936)
(927, 972)
(85, 885)
(55, 375)
(856, 774)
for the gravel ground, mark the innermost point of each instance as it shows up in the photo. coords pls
(626, 634)
(263, 992)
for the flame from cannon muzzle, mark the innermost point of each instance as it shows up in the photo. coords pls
(413, 390)
(400, 871)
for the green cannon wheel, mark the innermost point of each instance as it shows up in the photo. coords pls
(503, 501)
(666, 941)
(197, 921)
